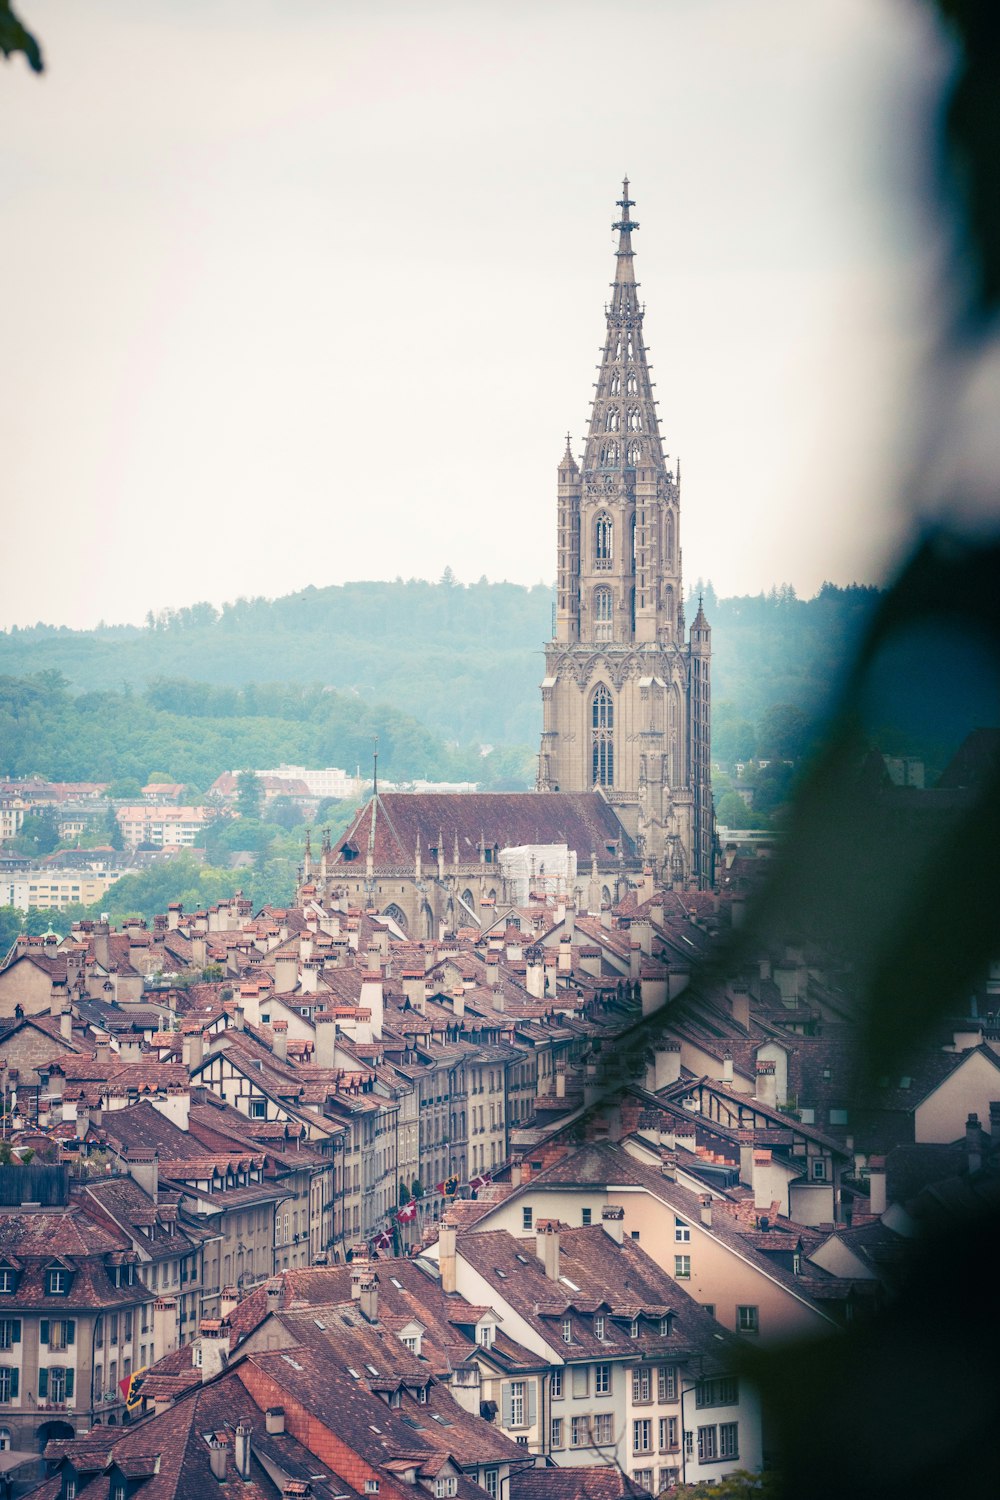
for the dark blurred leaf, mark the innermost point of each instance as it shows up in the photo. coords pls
(15, 37)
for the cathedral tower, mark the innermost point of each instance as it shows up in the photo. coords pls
(626, 697)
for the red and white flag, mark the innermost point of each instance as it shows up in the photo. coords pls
(408, 1214)
(480, 1182)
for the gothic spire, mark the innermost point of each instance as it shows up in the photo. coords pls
(624, 432)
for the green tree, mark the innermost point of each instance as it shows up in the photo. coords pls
(10, 926)
(249, 794)
(39, 833)
(125, 789)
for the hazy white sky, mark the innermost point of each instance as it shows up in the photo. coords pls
(300, 291)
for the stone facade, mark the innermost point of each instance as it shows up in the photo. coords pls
(626, 696)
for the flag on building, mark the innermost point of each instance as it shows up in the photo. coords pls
(407, 1215)
(451, 1186)
(480, 1182)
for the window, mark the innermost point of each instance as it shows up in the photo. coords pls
(557, 1384)
(682, 1231)
(729, 1440)
(9, 1379)
(602, 1380)
(641, 1384)
(6, 1279)
(484, 1335)
(666, 1383)
(603, 540)
(599, 1326)
(371, 1486)
(526, 1217)
(446, 1485)
(602, 749)
(557, 1432)
(668, 1478)
(644, 1478)
(819, 1169)
(642, 1435)
(708, 1443)
(10, 1332)
(58, 1334)
(56, 1283)
(604, 615)
(491, 1482)
(668, 1433)
(682, 1267)
(567, 1330)
(118, 1490)
(578, 1432)
(55, 1384)
(604, 1428)
(517, 1403)
(633, 1328)
(585, 1216)
(581, 1382)
(258, 1109)
(747, 1320)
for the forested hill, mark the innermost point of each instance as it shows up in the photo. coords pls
(462, 661)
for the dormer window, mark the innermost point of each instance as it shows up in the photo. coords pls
(484, 1335)
(56, 1282)
(567, 1330)
(634, 1328)
(665, 1325)
(599, 1326)
(8, 1279)
(421, 1395)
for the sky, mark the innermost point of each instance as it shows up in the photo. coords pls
(305, 291)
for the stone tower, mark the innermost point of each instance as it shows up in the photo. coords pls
(626, 697)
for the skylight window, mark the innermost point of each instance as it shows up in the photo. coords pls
(571, 1284)
(396, 1282)
(371, 1369)
(352, 1371)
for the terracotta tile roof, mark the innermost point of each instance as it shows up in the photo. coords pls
(597, 1482)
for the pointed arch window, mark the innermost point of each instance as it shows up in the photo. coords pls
(604, 614)
(630, 347)
(634, 454)
(604, 536)
(609, 454)
(616, 383)
(670, 539)
(612, 419)
(634, 419)
(602, 716)
(631, 383)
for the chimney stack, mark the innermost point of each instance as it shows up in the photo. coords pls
(547, 1246)
(275, 1420)
(241, 1451)
(279, 1042)
(973, 1143)
(706, 1209)
(326, 1039)
(448, 1257)
(613, 1222)
(368, 1299)
(217, 1451)
(727, 1067)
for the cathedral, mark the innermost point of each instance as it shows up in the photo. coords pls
(624, 775)
(626, 696)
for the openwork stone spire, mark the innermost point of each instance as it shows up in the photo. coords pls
(624, 433)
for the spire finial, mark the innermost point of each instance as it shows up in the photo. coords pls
(375, 765)
(625, 225)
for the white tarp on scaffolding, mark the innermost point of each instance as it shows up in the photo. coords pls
(540, 870)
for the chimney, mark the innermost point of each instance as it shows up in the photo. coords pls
(193, 1050)
(199, 950)
(448, 1257)
(368, 1299)
(241, 1450)
(613, 1222)
(458, 1001)
(66, 1025)
(560, 1080)
(360, 1270)
(102, 944)
(973, 1143)
(877, 1198)
(547, 1246)
(212, 1345)
(239, 1021)
(326, 1039)
(229, 1301)
(634, 957)
(275, 1421)
(766, 1091)
(102, 1049)
(286, 973)
(666, 1065)
(174, 912)
(565, 954)
(534, 972)
(144, 1168)
(415, 989)
(217, 1451)
(130, 1049)
(279, 1043)
(727, 1067)
(668, 1165)
(706, 1209)
(739, 1004)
